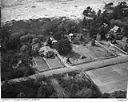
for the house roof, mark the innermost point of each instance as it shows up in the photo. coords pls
(45, 49)
(115, 28)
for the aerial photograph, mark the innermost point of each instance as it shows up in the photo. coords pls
(64, 49)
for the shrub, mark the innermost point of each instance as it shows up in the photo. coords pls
(70, 26)
(85, 93)
(41, 37)
(115, 94)
(24, 49)
(11, 59)
(4, 37)
(27, 38)
(59, 34)
(9, 91)
(118, 94)
(63, 46)
(21, 90)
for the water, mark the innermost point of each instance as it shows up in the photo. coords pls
(26, 9)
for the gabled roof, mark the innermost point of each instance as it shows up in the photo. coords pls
(45, 49)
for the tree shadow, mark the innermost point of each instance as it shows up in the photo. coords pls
(74, 55)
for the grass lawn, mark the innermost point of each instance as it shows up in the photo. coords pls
(91, 54)
(120, 44)
(99, 52)
(110, 78)
(40, 64)
(54, 62)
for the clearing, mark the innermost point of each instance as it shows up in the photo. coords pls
(40, 64)
(110, 78)
(44, 64)
(54, 62)
(90, 53)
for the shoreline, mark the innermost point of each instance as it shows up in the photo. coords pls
(47, 9)
(35, 9)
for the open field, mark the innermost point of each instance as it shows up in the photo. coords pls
(111, 78)
(40, 64)
(112, 48)
(54, 62)
(43, 64)
(99, 52)
(90, 53)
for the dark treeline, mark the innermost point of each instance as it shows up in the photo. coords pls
(102, 21)
(71, 85)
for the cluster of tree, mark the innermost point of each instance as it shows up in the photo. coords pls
(115, 94)
(20, 36)
(78, 85)
(120, 11)
(45, 26)
(63, 46)
(15, 65)
(20, 90)
(16, 60)
(73, 85)
(95, 25)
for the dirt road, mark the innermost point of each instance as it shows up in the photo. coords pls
(84, 67)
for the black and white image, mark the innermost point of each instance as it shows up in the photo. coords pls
(64, 49)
